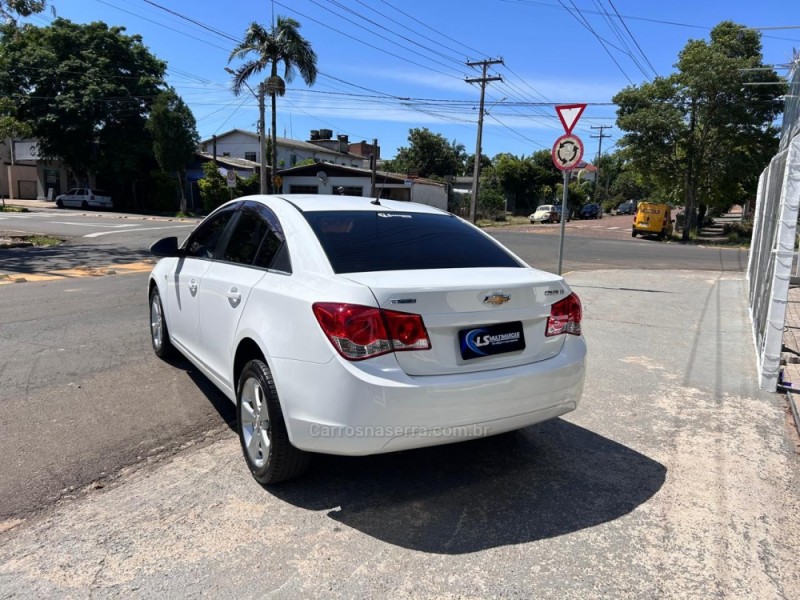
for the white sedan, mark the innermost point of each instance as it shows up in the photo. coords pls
(346, 326)
(84, 198)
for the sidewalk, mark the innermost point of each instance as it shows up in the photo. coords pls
(42, 205)
(676, 477)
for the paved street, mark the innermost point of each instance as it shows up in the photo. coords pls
(95, 239)
(77, 365)
(648, 488)
(676, 477)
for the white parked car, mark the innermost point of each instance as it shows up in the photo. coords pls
(339, 325)
(84, 198)
(546, 213)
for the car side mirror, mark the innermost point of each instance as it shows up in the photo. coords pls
(165, 247)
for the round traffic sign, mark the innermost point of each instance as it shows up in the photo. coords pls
(567, 152)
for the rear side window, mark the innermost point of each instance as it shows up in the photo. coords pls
(395, 241)
(246, 238)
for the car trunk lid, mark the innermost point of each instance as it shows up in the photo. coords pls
(477, 319)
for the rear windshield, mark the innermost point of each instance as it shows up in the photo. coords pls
(361, 241)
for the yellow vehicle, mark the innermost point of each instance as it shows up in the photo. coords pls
(652, 219)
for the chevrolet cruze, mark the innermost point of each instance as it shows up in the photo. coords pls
(347, 325)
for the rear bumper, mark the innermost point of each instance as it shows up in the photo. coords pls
(357, 409)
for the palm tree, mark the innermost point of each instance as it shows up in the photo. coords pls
(263, 49)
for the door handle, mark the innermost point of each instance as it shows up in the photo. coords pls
(193, 286)
(234, 297)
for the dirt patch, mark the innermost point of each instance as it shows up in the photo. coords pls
(14, 240)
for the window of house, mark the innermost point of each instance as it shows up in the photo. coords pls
(304, 189)
(293, 159)
(250, 156)
(353, 191)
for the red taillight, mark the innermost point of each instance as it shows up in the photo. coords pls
(359, 332)
(565, 317)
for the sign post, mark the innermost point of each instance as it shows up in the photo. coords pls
(567, 153)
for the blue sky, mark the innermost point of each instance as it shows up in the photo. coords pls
(387, 66)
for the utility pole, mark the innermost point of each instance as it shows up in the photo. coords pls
(262, 138)
(374, 163)
(599, 137)
(476, 171)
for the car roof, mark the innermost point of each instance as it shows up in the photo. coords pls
(326, 202)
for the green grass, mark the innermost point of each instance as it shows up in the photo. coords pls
(43, 240)
(15, 209)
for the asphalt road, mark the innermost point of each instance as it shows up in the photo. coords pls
(81, 394)
(98, 239)
(94, 239)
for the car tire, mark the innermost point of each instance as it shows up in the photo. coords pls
(633, 233)
(159, 334)
(269, 454)
(84, 205)
(59, 204)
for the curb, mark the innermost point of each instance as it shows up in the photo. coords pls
(793, 407)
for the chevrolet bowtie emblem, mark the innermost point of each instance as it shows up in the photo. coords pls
(496, 299)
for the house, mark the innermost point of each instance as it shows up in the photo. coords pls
(356, 181)
(194, 172)
(25, 175)
(238, 143)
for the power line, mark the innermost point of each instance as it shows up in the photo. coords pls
(583, 21)
(621, 20)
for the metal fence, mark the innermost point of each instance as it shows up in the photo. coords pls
(769, 266)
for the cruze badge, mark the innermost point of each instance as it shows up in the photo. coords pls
(496, 299)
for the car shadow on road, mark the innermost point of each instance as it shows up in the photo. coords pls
(541, 482)
(43, 259)
(219, 401)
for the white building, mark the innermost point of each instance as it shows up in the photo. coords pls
(354, 181)
(25, 175)
(238, 143)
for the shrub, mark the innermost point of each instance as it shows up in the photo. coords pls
(213, 187)
(741, 231)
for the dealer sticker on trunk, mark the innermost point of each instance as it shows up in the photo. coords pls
(491, 339)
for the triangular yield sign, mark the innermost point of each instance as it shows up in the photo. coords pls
(569, 115)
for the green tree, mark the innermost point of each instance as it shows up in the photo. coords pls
(282, 45)
(469, 164)
(10, 127)
(429, 154)
(174, 131)
(490, 194)
(700, 135)
(213, 187)
(10, 9)
(84, 91)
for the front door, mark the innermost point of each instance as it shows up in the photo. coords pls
(185, 283)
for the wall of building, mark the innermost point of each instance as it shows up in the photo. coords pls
(423, 193)
(430, 194)
(238, 143)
